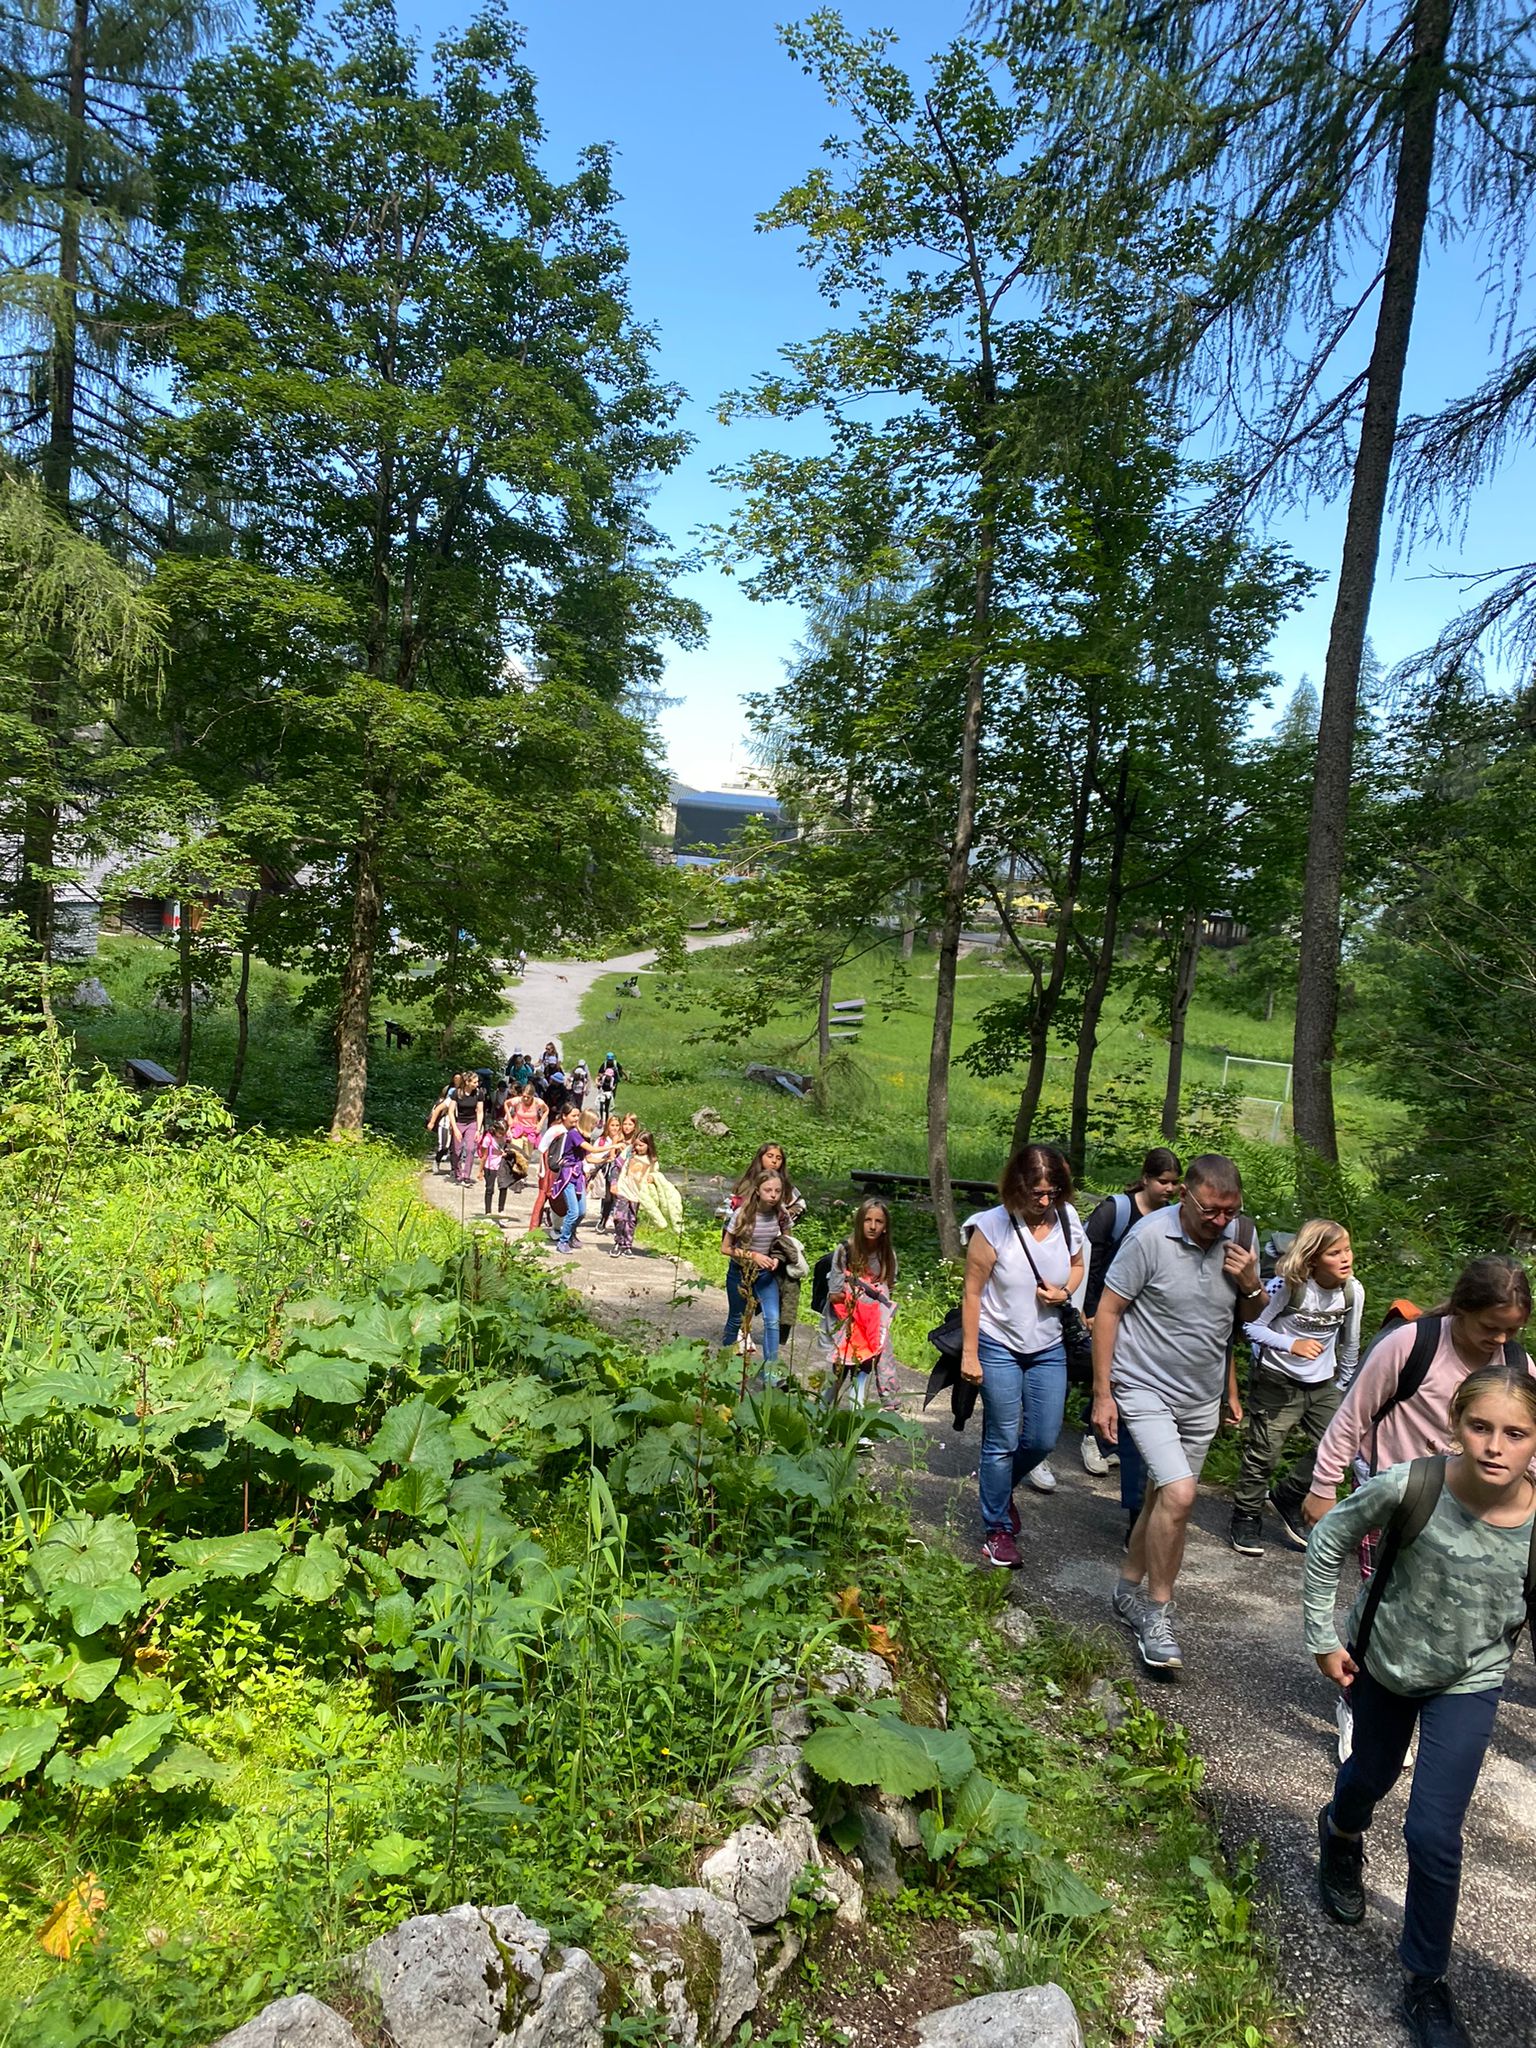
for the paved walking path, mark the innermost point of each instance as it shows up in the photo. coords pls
(546, 1001)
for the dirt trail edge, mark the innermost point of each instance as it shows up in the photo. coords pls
(1260, 1713)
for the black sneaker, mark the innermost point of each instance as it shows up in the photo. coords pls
(1340, 1874)
(1289, 1511)
(1246, 1534)
(1431, 2014)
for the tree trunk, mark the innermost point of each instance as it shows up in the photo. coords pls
(184, 992)
(40, 821)
(824, 1017)
(1317, 990)
(1066, 917)
(908, 939)
(353, 1012)
(243, 1000)
(1186, 963)
(448, 1008)
(1098, 987)
(957, 878)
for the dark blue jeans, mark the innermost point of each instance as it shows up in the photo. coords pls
(1023, 1397)
(765, 1289)
(1454, 1728)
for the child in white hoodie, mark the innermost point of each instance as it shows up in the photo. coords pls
(1307, 1336)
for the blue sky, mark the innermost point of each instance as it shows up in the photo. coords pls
(711, 121)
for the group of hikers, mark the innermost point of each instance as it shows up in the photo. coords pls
(561, 1132)
(1433, 1424)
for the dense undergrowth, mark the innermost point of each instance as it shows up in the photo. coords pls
(347, 1570)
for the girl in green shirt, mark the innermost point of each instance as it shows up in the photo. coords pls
(1440, 1644)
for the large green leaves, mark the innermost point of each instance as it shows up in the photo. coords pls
(25, 1739)
(315, 1576)
(870, 1749)
(116, 1756)
(415, 1433)
(83, 1567)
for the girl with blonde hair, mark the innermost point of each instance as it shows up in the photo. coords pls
(1305, 1340)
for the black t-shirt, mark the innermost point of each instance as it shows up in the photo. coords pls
(464, 1106)
(1106, 1231)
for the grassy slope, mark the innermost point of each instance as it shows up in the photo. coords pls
(879, 1097)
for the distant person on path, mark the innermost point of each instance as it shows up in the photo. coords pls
(1162, 1355)
(519, 1068)
(751, 1268)
(1394, 1411)
(1429, 1644)
(1160, 1183)
(770, 1158)
(609, 1075)
(855, 1334)
(580, 1081)
(468, 1117)
(1023, 1259)
(1309, 1333)
(495, 1162)
(522, 962)
(440, 1124)
(637, 1170)
(618, 1155)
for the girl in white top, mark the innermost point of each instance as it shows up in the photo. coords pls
(1023, 1260)
(1305, 1342)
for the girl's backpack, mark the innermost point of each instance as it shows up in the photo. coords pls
(821, 1282)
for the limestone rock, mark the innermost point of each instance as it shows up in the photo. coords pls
(1110, 1701)
(790, 1722)
(478, 1977)
(877, 1851)
(1041, 2017)
(857, 1675)
(985, 1951)
(906, 1831)
(710, 1122)
(1017, 1628)
(773, 1780)
(692, 1963)
(91, 994)
(841, 1890)
(755, 1871)
(301, 2022)
(777, 1954)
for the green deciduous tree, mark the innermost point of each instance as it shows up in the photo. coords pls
(410, 365)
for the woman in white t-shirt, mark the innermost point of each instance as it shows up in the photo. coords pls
(1023, 1260)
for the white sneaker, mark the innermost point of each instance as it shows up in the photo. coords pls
(1344, 1714)
(1094, 1460)
(1042, 1479)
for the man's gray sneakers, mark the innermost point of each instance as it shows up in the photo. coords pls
(1155, 1642)
(1128, 1602)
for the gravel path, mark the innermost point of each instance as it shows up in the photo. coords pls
(546, 1002)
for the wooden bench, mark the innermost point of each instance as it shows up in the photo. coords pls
(914, 1186)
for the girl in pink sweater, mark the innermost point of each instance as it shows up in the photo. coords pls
(1489, 1306)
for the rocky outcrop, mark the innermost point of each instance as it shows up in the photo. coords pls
(1041, 2017)
(481, 1977)
(692, 1963)
(301, 2022)
(754, 1870)
(773, 1780)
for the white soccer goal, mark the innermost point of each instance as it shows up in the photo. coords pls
(1268, 1117)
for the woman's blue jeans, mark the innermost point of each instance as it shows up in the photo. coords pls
(1023, 1398)
(765, 1289)
(575, 1209)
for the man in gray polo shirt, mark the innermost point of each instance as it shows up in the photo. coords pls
(1162, 1357)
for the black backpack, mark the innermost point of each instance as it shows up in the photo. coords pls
(821, 1282)
(1426, 1478)
(1426, 1341)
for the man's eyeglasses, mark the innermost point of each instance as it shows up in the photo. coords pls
(1218, 1212)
